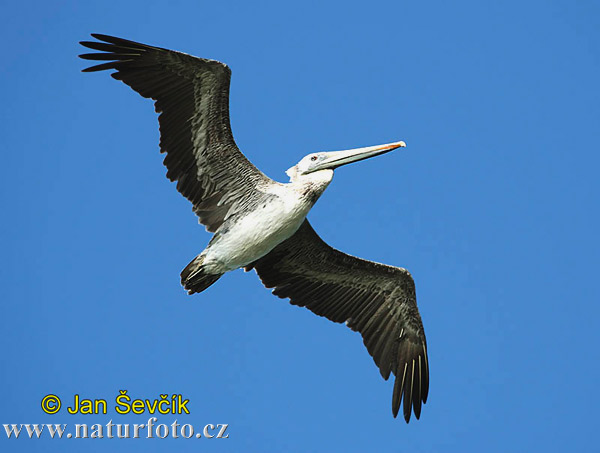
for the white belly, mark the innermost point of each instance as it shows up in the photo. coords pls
(256, 234)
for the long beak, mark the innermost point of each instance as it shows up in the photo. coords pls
(336, 159)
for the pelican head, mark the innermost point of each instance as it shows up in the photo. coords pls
(333, 159)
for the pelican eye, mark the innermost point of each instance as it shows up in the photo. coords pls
(313, 158)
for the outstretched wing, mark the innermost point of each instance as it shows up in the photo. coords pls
(192, 97)
(376, 300)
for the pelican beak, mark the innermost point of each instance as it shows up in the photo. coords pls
(336, 159)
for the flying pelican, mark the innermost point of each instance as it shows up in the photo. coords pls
(261, 224)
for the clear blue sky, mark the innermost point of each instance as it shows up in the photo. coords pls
(493, 207)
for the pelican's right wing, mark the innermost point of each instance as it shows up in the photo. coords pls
(192, 97)
(376, 300)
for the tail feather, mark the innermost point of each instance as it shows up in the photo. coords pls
(195, 279)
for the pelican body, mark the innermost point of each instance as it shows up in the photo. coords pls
(275, 216)
(261, 224)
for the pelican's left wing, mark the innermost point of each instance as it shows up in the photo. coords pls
(376, 300)
(192, 96)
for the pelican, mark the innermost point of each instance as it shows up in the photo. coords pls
(261, 224)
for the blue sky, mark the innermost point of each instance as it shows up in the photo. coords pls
(493, 207)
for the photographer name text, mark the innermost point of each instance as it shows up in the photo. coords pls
(124, 404)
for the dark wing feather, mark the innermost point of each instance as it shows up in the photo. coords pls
(376, 300)
(192, 97)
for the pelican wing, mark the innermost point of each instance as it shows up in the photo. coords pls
(192, 96)
(374, 299)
